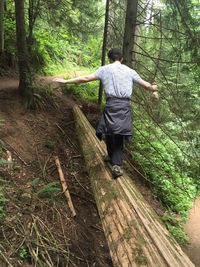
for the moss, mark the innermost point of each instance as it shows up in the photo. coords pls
(128, 233)
(114, 245)
(138, 256)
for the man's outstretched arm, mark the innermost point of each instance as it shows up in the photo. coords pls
(81, 79)
(148, 86)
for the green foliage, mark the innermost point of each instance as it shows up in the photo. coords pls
(50, 145)
(35, 183)
(63, 35)
(49, 189)
(166, 165)
(85, 92)
(175, 226)
(10, 28)
(23, 252)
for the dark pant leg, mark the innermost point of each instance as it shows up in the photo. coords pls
(117, 153)
(109, 144)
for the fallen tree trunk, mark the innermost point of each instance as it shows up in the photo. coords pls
(135, 235)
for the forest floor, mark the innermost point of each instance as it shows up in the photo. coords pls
(37, 226)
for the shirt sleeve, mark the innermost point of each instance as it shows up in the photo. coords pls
(99, 73)
(135, 76)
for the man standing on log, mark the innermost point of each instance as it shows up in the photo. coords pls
(115, 122)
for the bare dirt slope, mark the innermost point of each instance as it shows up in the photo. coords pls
(37, 228)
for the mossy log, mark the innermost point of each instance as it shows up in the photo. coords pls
(134, 233)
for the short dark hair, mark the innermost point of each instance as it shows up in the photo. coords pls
(115, 54)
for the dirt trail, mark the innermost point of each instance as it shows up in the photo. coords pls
(193, 230)
(7, 83)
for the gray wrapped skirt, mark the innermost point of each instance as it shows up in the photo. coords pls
(116, 118)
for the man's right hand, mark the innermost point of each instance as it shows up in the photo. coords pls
(59, 80)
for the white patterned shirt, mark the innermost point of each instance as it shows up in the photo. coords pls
(117, 79)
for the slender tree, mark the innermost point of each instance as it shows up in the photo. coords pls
(104, 47)
(130, 32)
(1, 26)
(25, 79)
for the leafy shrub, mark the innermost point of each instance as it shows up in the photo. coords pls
(86, 92)
(49, 189)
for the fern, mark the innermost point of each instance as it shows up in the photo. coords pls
(48, 189)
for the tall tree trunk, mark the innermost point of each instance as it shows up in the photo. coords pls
(31, 22)
(25, 79)
(1, 26)
(104, 47)
(129, 32)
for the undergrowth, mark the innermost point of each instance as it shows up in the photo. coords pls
(85, 92)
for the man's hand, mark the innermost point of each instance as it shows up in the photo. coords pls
(154, 86)
(59, 80)
(155, 96)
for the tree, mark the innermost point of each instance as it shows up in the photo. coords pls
(1, 26)
(129, 33)
(33, 12)
(25, 79)
(103, 56)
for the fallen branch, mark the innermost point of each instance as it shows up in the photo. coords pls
(5, 259)
(15, 152)
(65, 134)
(9, 159)
(74, 175)
(64, 186)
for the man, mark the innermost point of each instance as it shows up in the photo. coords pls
(115, 122)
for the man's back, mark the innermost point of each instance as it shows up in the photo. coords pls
(117, 79)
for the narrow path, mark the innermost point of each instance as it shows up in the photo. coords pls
(193, 230)
(7, 83)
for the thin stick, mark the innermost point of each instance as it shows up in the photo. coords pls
(81, 184)
(9, 159)
(4, 258)
(65, 134)
(15, 152)
(64, 186)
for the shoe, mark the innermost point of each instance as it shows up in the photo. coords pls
(106, 158)
(116, 171)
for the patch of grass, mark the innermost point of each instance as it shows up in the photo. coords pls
(50, 145)
(23, 252)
